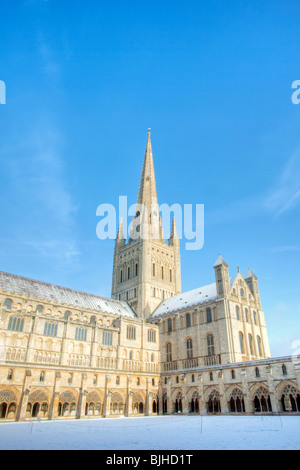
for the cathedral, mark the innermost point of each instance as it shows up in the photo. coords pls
(150, 349)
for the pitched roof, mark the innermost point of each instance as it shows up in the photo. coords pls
(188, 299)
(219, 262)
(52, 293)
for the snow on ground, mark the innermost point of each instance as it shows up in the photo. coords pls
(156, 433)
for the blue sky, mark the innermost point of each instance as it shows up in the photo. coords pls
(212, 79)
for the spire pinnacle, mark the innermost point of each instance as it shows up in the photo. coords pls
(147, 192)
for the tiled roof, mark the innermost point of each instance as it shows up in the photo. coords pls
(52, 293)
(188, 299)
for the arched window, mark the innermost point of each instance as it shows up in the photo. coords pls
(251, 344)
(131, 356)
(169, 325)
(39, 309)
(237, 310)
(193, 378)
(67, 315)
(254, 318)
(257, 372)
(118, 380)
(242, 346)
(152, 358)
(246, 315)
(284, 369)
(42, 377)
(7, 304)
(242, 293)
(189, 347)
(211, 377)
(10, 374)
(188, 320)
(233, 374)
(169, 352)
(208, 315)
(259, 346)
(210, 345)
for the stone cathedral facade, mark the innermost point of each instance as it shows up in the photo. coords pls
(150, 349)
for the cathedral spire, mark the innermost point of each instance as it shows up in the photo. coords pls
(147, 191)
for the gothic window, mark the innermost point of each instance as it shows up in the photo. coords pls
(237, 310)
(259, 346)
(189, 347)
(246, 315)
(16, 324)
(39, 309)
(151, 336)
(290, 399)
(233, 374)
(169, 352)
(242, 346)
(211, 377)
(131, 333)
(208, 315)
(169, 325)
(188, 320)
(254, 318)
(10, 374)
(257, 372)
(251, 345)
(284, 369)
(242, 293)
(214, 403)
(210, 345)
(107, 338)
(193, 378)
(42, 377)
(81, 334)
(237, 404)
(67, 315)
(262, 401)
(7, 304)
(50, 329)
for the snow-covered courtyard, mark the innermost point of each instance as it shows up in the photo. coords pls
(156, 433)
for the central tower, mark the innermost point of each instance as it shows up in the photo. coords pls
(146, 268)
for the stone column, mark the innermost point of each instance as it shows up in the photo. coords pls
(246, 396)
(53, 405)
(271, 385)
(185, 404)
(169, 397)
(148, 409)
(223, 399)
(21, 413)
(160, 397)
(107, 399)
(128, 407)
(202, 406)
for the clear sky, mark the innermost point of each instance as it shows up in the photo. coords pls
(211, 78)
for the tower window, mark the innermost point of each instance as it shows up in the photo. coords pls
(171, 280)
(153, 269)
(128, 273)
(131, 333)
(208, 315)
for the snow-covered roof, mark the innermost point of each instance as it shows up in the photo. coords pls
(188, 299)
(219, 262)
(52, 293)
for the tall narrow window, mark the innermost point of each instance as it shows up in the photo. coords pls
(259, 346)
(153, 269)
(162, 272)
(128, 273)
(208, 315)
(7, 304)
(169, 352)
(189, 347)
(171, 277)
(136, 269)
(237, 311)
(246, 315)
(242, 347)
(210, 345)
(169, 325)
(188, 320)
(251, 345)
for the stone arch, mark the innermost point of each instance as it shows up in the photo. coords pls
(193, 399)
(213, 402)
(38, 404)
(138, 403)
(117, 404)
(178, 402)
(235, 399)
(67, 404)
(261, 399)
(94, 404)
(289, 397)
(9, 399)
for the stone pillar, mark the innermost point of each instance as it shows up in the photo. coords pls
(107, 399)
(271, 385)
(246, 395)
(148, 407)
(202, 405)
(160, 397)
(53, 405)
(223, 399)
(169, 397)
(128, 407)
(21, 413)
(185, 404)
